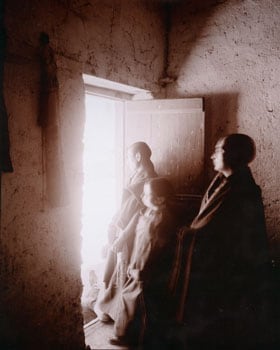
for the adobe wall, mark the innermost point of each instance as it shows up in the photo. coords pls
(229, 53)
(226, 51)
(118, 40)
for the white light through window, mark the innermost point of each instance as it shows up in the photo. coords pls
(99, 192)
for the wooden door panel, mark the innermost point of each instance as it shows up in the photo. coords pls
(174, 129)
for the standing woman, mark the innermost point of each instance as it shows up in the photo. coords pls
(118, 256)
(225, 279)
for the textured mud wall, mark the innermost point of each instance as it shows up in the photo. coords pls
(40, 274)
(229, 52)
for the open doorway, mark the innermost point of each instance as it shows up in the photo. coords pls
(102, 163)
(104, 177)
(118, 115)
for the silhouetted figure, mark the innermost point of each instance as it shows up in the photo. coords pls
(143, 307)
(225, 276)
(115, 275)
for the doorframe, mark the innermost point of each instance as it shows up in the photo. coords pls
(112, 89)
(115, 91)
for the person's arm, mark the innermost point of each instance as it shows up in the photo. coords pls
(133, 273)
(130, 206)
(126, 234)
(185, 231)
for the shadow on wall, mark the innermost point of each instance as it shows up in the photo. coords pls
(189, 18)
(220, 120)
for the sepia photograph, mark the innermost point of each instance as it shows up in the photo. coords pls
(139, 174)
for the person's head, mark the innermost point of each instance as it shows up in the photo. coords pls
(138, 154)
(157, 192)
(233, 152)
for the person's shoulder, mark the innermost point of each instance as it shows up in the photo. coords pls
(244, 182)
(136, 188)
(247, 199)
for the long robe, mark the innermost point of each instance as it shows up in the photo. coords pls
(146, 296)
(122, 226)
(224, 282)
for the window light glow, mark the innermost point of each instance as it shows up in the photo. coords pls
(99, 191)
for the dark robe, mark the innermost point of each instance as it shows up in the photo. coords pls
(5, 159)
(225, 268)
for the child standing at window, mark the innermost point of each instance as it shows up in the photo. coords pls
(144, 299)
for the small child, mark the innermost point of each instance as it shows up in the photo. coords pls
(145, 292)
